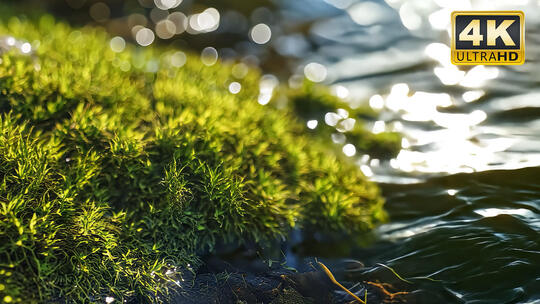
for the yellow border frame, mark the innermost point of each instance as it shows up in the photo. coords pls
(489, 13)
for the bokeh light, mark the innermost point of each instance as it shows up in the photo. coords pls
(165, 29)
(178, 59)
(312, 124)
(118, 44)
(260, 33)
(349, 150)
(315, 72)
(235, 87)
(167, 4)
(144, 36)
(180, 22)
(209, 56)
(26, 48)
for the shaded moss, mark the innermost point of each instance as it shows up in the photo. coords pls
(118, 169)
(312, 101)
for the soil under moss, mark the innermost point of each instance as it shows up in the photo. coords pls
(117, 170)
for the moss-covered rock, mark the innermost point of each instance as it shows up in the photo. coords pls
(118, 169)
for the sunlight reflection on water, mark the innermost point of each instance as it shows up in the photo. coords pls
(449, 117)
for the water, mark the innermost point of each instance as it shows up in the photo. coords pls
(465, 238)
(463, 195)
(478, 233)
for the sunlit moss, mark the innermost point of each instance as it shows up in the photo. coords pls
(116, 168)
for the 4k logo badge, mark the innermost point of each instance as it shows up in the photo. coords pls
(488, 37)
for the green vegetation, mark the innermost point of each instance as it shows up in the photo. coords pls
(313, 102)
(117, 169)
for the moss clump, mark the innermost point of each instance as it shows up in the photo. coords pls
(313, 102)
(118, 169)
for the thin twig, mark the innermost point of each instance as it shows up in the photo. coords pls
(331, 276)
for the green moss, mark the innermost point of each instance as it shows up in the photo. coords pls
(313, 102)
(113, 172)
(310, 101)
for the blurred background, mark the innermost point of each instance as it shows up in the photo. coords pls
(475, 236)
(392, 55)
